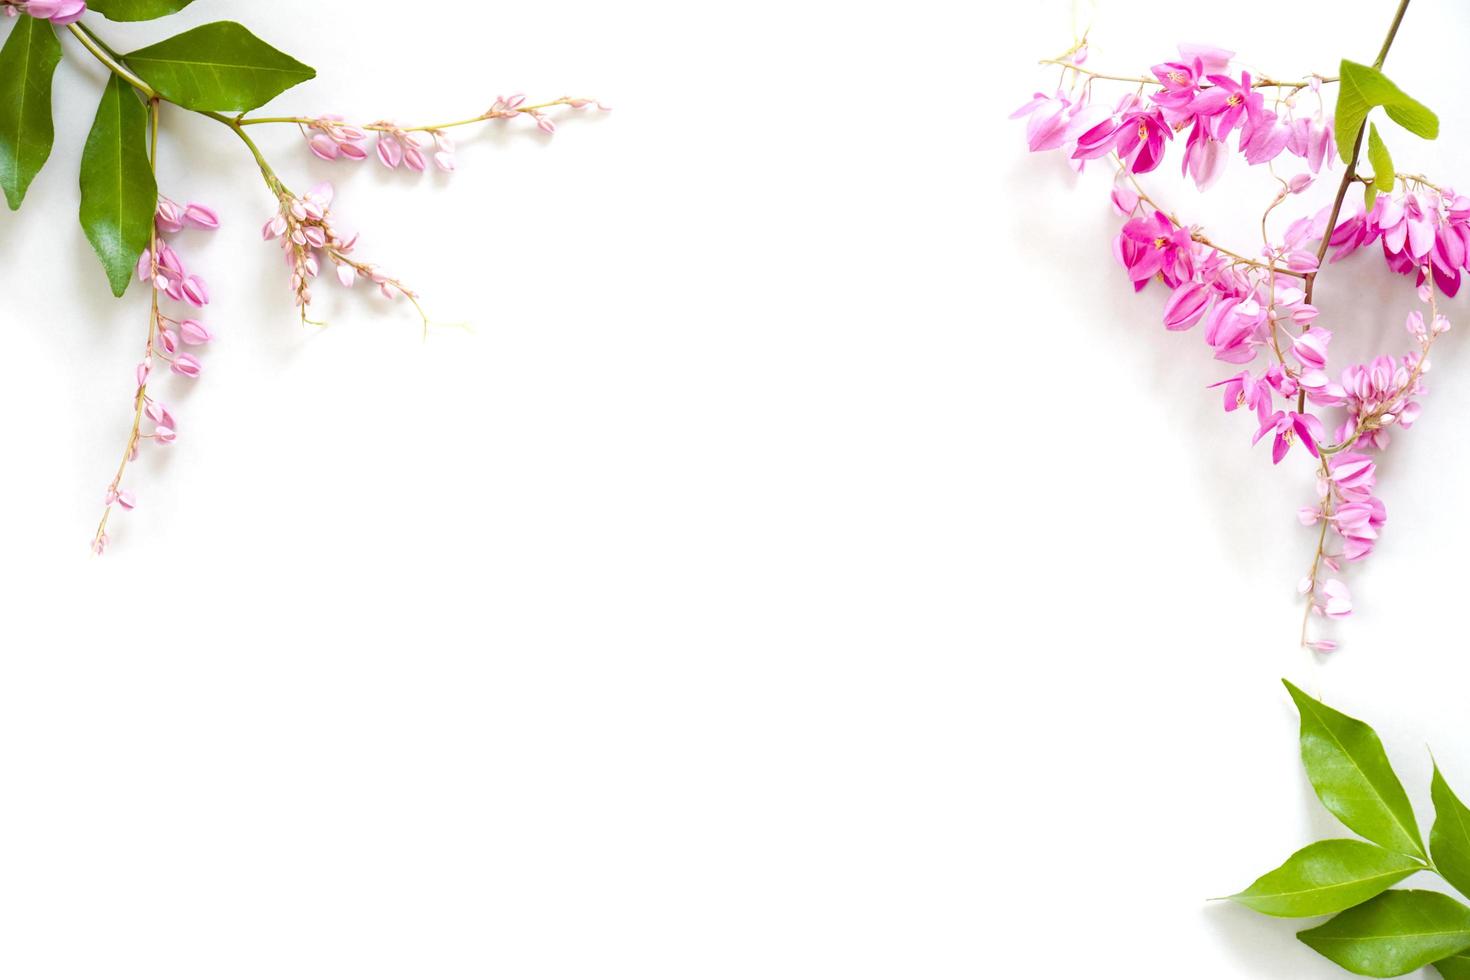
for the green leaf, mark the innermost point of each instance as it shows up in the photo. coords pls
(1449, 838)
(136, 9)
(1414, 117)
(27, 64)
(118, 191)
(1361, 89)
(1394, 933)
(1455, 967)
(219, 67)
(1327, 877)
(1350, 772)
(1370, 194)
(1382, 162)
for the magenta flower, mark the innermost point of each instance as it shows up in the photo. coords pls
(1245, 390)
(1228, 103)
(1150, 246)
(1290, 426)
(1186, 305)
(1140, 140)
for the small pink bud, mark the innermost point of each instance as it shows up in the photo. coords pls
(195, 291)
(390, 151)
(142, 373)
(186, 364)
(168, 340)
(125, 500)
(195, 333)
(346, 275)
(201, 217)
(324, 146)
(164, 435)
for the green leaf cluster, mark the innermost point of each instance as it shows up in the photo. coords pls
(1376, 930)
(1361, 89)
(214, 68)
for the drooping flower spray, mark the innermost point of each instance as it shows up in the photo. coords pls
(223, 72)
(1258, 310)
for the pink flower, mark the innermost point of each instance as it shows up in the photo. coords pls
(1227, 103)
(194, 333)
(60, 12)
(1186, 305)
(1248, 391)
(201, 217)
(1289, 426)
(1153, 245)
(187, 365)
(1140, 140)
(1310, 349)
(1234, 330)
(1336, 602)
(1352, 473)
(1204, 156)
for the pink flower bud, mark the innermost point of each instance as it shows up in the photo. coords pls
(186, 364)
(323, 146)
(195, 333)
(201, 217)
(195, 291)
(159, 413)
(390, 151)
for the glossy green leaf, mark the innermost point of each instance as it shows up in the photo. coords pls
(1381, 161)
(136, 9)
(1360, 90)
(219, 67)
(118, 190)
(27, 64)
(1327, 877)
(1455, 967)
(1347, 767)
(1392, 934)
(1449, 838)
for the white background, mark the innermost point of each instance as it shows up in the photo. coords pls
(815, 563)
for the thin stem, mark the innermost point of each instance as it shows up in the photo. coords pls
(1350, 174)
(140, 399)
(1196, 235)
(1295, 86)
(105, 55)
(385, 128)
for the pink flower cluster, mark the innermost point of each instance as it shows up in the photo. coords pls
(60, 12)
(304, 226)
(1424, 228)
(1256, 310)
(1196, 94)
(333, 138)
(167, 337)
